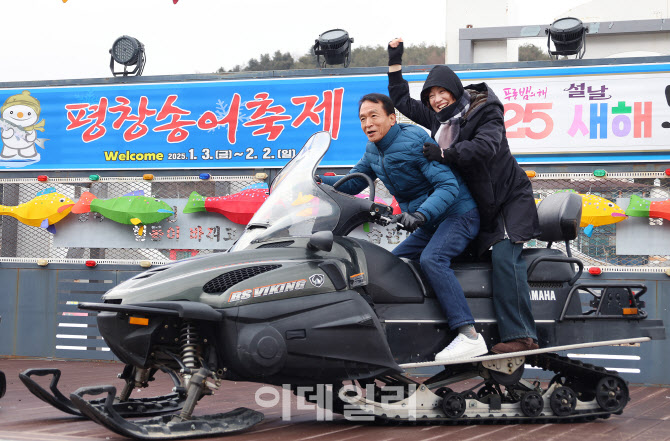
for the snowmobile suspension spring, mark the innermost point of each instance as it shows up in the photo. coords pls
(189, 342)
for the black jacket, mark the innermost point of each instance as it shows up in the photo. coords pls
(503, 192)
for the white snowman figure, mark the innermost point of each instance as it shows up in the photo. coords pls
(23, 111)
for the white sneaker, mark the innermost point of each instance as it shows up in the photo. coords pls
(463, 347)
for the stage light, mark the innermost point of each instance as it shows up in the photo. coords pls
(127, 51)
(569, 37)
(335, 46)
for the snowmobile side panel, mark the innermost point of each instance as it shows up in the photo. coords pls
(314, 339)
(390, 280)
(131, 343)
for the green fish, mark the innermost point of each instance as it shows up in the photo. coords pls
(131, 209)
(639, 207)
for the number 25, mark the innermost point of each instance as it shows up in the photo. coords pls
(531, 112)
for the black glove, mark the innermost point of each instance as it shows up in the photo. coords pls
(318, 179)
(449, 156)
(433, 152)
(395, 54)
(410, 221)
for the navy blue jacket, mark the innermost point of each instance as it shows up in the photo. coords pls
(417, 184)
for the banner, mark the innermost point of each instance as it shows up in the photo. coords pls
(552, 115)
(206, 125)
(581, 114)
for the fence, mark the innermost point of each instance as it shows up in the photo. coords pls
(23, 243)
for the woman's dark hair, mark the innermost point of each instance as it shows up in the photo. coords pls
(387, 104)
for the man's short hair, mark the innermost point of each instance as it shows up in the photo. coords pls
(387, 104)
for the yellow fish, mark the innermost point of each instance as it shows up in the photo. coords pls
(597, 211)
(47, 208)
(302, 199)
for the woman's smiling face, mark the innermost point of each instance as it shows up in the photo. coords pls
(439, 98)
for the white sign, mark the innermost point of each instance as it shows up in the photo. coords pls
(602, 113)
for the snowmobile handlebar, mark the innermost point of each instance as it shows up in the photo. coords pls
(368, 179)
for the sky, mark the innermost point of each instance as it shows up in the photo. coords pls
(57, 39)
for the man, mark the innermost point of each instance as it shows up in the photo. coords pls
(468, 125)
(436, 208)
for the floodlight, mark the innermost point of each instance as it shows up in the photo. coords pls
(569, 37)
(127, 51)
(335, 46)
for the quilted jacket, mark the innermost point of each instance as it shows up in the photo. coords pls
(428, 187)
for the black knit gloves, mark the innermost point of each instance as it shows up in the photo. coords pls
(432, 152)
(410, 221)
(395, 54)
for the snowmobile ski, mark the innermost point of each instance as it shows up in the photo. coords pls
(164, 427)
(131, 407)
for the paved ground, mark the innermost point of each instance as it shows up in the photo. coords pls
(24, 417)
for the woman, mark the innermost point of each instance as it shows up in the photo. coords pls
(469, 127)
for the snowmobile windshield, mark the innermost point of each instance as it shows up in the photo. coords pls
(296, 206)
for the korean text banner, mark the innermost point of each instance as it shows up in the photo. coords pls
(552, 115)
(581, 114)
(205, 125)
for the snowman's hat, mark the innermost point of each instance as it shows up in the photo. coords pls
(22, 98)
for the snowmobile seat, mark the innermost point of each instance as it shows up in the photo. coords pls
(559, 215)
(394, 280)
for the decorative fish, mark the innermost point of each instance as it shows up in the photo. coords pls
(598, 211)
(47, 208)
(238, 207)
(19, 132)
(640, 207)
(133, 208)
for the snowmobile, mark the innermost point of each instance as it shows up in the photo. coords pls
(298, 302)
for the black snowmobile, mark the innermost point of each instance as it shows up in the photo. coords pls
(298, 302)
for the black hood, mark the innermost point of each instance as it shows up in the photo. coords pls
(442, 76)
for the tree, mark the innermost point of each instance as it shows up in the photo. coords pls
(530, 52)
(279, 61)
(365, 56)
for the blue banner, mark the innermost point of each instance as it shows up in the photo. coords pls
(599, 114)
(194, 125)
